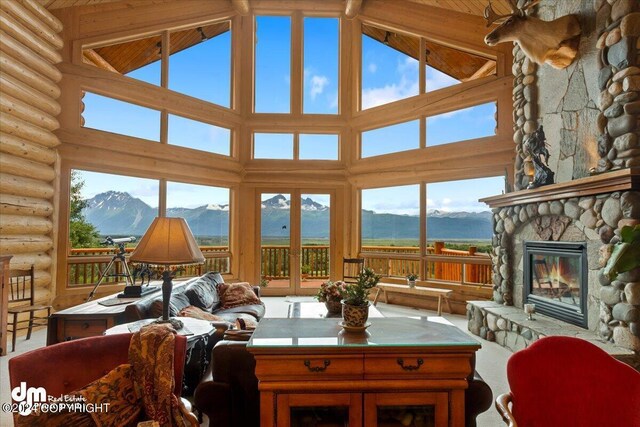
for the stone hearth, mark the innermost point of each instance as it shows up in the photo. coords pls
(590, 210)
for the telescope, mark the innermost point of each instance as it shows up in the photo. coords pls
(117, 241)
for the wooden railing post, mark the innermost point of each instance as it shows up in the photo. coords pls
(438, 246)
(471, 274)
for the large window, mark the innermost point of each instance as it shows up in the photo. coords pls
(273, 64)
(206, 210)
(273, 146)
(112, 115)
(110, 205)
(139, 59)
(390, 219)
(321, 47)
(200, 63)
(318, 146)
(391, 139)
(388, 73)
(460, 125)
(199, 136)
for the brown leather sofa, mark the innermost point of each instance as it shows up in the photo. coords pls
(229, 394)
(201, 292)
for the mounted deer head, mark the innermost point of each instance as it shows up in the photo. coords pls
(553, 42)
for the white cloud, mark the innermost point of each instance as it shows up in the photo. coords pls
(318, 83)
(373, 67)
(407, 86)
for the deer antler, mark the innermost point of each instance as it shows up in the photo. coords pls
(491, 16)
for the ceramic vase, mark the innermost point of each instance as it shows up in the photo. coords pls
(355, 315)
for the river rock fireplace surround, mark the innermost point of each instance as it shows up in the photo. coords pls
(586, 213)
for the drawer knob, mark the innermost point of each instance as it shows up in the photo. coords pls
(307, 363)
(415, 367)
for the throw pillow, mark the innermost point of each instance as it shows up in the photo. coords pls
(237, 294)
(214, 277)
(178, 301)
(198, 313)
(203, 294)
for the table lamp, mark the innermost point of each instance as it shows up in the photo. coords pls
(168, 241)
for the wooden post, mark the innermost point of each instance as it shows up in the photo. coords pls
(437, 249)
(4, 299)
(472, 270)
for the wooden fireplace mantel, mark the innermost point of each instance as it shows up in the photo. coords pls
(608, 182)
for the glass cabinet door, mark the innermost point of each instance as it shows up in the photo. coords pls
(320, 410)
(406, 409)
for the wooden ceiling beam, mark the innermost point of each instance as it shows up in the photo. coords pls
(352, 8)
(95, 58)
(487, 69)
(241, 6)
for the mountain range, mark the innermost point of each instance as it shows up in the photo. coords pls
(119, 213)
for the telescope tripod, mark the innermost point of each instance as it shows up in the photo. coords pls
(118, 257)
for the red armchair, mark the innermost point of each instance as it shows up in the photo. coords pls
(564, 381)
(69, 366)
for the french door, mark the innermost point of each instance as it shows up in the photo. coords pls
(295, 236)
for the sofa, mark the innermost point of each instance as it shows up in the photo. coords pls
(229, 394)
(202, 292)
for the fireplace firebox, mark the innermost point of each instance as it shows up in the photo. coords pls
(555, 280)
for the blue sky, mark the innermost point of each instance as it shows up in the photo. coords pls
(203, 71)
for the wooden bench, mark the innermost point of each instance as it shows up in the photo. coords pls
(417, 290)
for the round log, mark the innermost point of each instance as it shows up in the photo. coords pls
(20, 186)
(25, 55)
(22, 167)
(21, 244)
(26, 37)
(43, 14)
(24, 111)
(40, 261)
(29, 20)
(43, 278)
(23, 92)
(22, 205)
(15, 224)
(19, 147)
(14, 126)
(23, 73)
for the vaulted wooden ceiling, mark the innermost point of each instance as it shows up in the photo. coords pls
(473, 7)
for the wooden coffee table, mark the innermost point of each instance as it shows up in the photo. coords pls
(312, 368)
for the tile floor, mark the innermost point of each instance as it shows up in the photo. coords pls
(491, 359)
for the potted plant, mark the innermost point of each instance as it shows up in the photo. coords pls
(355, 299)
(305, 270)
(330, 294)
(411, 280)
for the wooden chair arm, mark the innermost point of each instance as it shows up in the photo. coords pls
(502, 405)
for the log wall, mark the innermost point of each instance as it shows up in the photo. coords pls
(29, 49)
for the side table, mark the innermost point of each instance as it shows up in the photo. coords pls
(199, 346)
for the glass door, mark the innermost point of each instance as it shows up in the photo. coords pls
(275, 240)
(316, 410)
(315, 239)
(295, 240)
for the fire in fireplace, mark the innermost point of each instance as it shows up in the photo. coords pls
(555, 280)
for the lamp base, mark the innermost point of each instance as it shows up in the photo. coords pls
(175, 323)
(135, 291)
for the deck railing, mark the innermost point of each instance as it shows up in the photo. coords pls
(439, 263)
(85, 265)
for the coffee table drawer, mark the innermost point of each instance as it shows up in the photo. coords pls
(416, 365)
(82, 328)
(306, 367)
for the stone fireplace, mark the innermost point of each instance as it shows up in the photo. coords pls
(555, 279)
(579, 221)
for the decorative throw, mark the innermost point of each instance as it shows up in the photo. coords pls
(198, 313)
(237, 294)
(140, 390)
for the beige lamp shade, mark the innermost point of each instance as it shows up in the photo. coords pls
(168, 241)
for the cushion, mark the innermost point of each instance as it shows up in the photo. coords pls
(237, 294)
(203, 294)
(178, 301)
(214, 278)
(198, 313)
